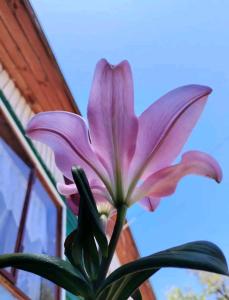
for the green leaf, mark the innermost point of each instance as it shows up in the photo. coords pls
(81, 246)
(136, 295)
(81, 249)
(89, 219)
(91, 257)
(73, 250)
(58, 271)
(199, 255)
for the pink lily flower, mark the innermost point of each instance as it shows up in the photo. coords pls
(127, 158)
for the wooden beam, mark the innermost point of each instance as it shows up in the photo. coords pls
(9, 45)
(26, 55)
(35, 40)
(127, 252)
(7, 61)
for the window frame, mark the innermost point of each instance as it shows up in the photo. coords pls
(37, 171)
(11, 275)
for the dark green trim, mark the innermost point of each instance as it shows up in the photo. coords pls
(20, 127)
(70, 296)
(71, 220)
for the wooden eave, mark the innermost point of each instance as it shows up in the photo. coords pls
(28, 58)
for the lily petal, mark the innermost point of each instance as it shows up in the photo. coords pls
(100, 193)
(67, 135)
(150, 203)
(164, 182)
(66, 189)
(73, 197)
(74, 203)
(112, 122)
(164, 128)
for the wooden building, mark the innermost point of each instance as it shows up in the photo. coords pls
(33, 216)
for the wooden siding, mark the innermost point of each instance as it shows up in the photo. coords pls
(24, 113)
(127, 252)
(28, 59)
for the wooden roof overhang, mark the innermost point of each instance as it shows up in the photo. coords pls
(28, 58)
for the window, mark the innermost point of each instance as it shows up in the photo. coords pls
(29, 218)
(13, 181)
(39, 237)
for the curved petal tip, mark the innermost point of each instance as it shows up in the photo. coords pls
(210, 167)
(102, 63)
(202, 88)
(66, 189)
(149, 203)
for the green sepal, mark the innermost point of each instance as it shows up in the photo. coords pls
(58, 271)
(199, 255)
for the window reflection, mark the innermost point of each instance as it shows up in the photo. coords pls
(28, 217)
(39, 237)
(5, 294)
(13, 186)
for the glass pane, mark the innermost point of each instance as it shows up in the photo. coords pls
(40, 237)
(13, 186)
(5, 294)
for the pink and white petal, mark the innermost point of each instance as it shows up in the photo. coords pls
(101, 196)
(150, 203)
(164, 128)
(74, 203)
(100, 192)
(164, 182)
(112, 122)
(66, 189)
(67, 135)
(212, 167)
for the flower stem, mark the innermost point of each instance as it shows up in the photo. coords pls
(121, 214)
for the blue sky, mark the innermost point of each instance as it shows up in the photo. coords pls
(168, 43)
